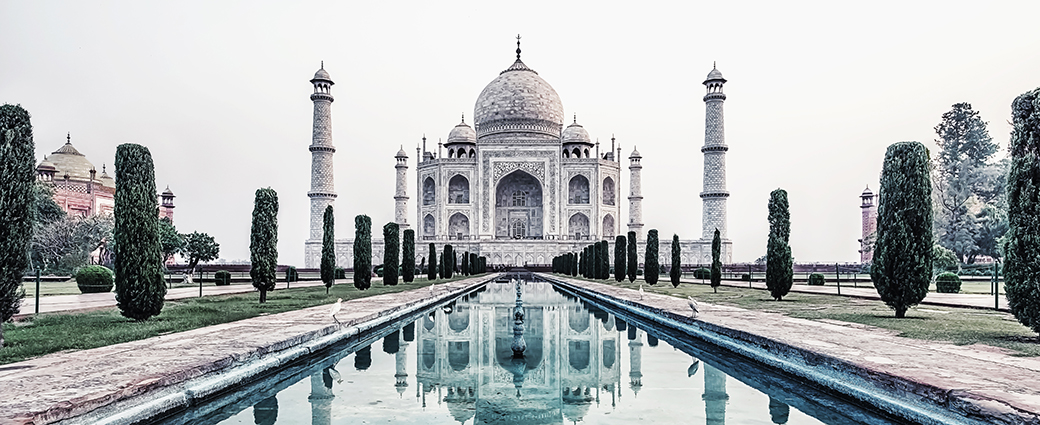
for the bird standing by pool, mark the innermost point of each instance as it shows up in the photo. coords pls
(336, 307)
(693, 305)
(640, 291)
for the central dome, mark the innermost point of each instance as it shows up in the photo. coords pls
(518, 101)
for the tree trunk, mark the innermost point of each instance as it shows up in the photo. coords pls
(1, 335)
(263, 296)
(900, 313)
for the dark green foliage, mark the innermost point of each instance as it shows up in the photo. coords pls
(465, 263)
(716, 263)
(594, 261)
(340, 273)
(676, 270)
(17, 179)
(408, 256)
(327, 267)
(45, 210)
(292, 275)
(651, 265)
(1021, 246)
(263, 242)
(432, 269)
(902, 266)
(633, 260)
(391, 252)
(816, 279)
(140, 287)
(581, 263)
(199, 247)
(702, 273)
(449, 261)
(473, 269)
(620, 260)
(223, 277)
(779, 264)
(947, 283)
(171, 241)
(362, 252)
(604, 260)
(94, 279)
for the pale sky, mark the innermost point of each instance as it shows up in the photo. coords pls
(219, 92)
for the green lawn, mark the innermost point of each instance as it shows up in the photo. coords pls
(69, 287)
(961, 326)
(53, 332)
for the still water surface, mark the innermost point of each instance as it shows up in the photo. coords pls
(454, 364)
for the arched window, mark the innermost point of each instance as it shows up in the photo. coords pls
(586, 152)
(458, 190)
(577, 153)
(608, 226)
(472, 153)
(451, 152)
(519, 198)
(428, 191)
(518, 230)
(578, 226)
(566, 153)
(579, 190)
(428, 226)
(458, 225)
(608, 191)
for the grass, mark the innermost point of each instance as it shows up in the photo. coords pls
(54, 332)
(961, 326)
(69, 287)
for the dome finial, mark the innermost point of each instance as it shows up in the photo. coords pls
(68, 138)
(713, 65)
(322, 64)
(575, 117)
(518, 47)
(463, 117)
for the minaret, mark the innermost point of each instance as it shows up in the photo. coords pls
(323, 192)
(635, 195)
(401, 198)
(714, 194)
(635, 361)
(321, 397)
(715, 396)
(401, 371)
(866, 245)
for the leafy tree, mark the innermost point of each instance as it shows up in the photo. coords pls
(604, 257)
(779, 264)
(619, 258)
(327, 267)
(263, 242)
(652, 270)
(1021, 246)
(902, 267)
(171, 241)
(943, 259)
(391, 251)
(465, 263)
(992, 225)
(432, 271)
(45, 209)
(449, 261)
(408, 256)
(362, 252)
(17, 177)
(62, 246)
(633, 261)
(140, 286)
(716, 264)
(963, 177)
(199, 247)
(676, 270)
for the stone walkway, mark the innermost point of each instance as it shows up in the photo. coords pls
(65, 385)
(979, 384)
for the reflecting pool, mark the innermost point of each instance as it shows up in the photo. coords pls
(456, 364)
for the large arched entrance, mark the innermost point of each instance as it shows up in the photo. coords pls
(518, 207)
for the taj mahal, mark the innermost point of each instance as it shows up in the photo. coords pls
(522, 184)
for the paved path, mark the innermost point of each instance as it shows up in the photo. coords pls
(982, 301)
(977, 383)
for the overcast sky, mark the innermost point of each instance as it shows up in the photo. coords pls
(219, 92)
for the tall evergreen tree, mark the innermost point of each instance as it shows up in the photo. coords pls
(574, 264)
(779, 264)
(604, 258)
(581, 263)
(408, 256)
(328, 249)
(431, 273)
(263, 242)
(652, 268)
(449, 261)
(676, 271)
(902, 267)
(362, 252)
(716, 264)
(1021, 246)
(17, 200)
(594, 263)
(391, 252)
(633, 261)
(140, 287)
(620, 261)
(465, 263)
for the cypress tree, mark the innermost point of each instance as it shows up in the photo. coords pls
(17, 198)
(633, 260)
(676, 271)
(328, 250)
(1021, 246)
(620, 261)
(449, 261)
(362, 252)
(473, 268)
(652, 270)
(408, 256)
(716, 264)
(465, 263)
(594, 261)
(431, 270)
(581, 263)
(263, 242)
(574, 263)
(140, 287)
(604, 256)
(391, 251)
(779, 267)
(902, 267)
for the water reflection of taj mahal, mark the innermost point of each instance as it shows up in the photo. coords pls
(572, 358)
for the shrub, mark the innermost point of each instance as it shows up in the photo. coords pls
(947, 283)
(94, 279)
(378, 270)
(223, 277)
(702, 273)
(291, 275)
(341, 273)
(745, 277)
(816, 279)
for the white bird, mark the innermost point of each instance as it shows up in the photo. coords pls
(431, 287)
(336, 308)
(690, 371)
(336, 375)
(693, 305)
(640, 291)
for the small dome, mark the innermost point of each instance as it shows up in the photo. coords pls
(321, 75)
(401, 153)
(167, 193)
(635, 153)
(575, 133)
(866, 193)
(69, 161)
(518, 101)
(462, 133)
(46, 166)
(715, 74)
